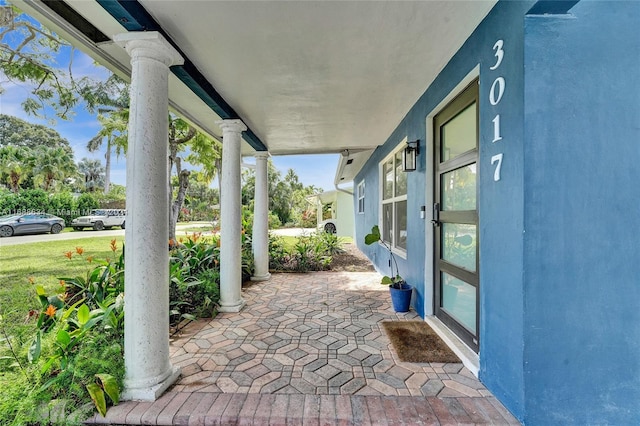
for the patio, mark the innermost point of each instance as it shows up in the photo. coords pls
(309, 349)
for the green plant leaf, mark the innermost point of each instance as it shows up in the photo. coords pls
(69, 311)
(83, 314)
(373, 237)
(386, 280)
(97, 396)
(110, 386)
(35, 348)
(63, 338)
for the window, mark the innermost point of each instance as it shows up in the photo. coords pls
(361, 197)
(394, 200)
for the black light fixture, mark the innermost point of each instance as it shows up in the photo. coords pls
(410, 156)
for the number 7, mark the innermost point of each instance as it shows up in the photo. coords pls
(497, 158)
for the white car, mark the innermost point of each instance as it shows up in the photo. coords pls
(328, 225)
(100, 219)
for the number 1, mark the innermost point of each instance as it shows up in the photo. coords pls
(496, 129)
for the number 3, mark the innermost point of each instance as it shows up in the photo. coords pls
(499, 53)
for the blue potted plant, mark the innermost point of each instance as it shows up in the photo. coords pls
(398, 288)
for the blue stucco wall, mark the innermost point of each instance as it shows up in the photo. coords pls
(560, 320)
(500, 203)
(582, 214)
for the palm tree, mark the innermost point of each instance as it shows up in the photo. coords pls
(51, 165)
(93, 173)
(114, 131)
(14, 165)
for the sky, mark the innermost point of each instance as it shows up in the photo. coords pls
(317, 170)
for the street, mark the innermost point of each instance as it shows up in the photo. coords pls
(24, 239)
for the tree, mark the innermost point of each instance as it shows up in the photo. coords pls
(94, 173)
(287, 197)
(14, 165)
(27, 56)
(114, 131)
(53, 165)
(17, 132)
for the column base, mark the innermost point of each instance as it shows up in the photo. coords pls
(152, 392)
(232, 308)
(264, 277)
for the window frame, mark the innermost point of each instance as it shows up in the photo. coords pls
(394, 199)
(360, 195)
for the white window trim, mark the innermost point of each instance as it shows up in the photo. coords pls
(360, 192)
(394, 249)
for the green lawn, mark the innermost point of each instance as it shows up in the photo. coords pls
(23, 266)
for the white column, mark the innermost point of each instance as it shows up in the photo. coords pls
(148, 371)
(260, 237)
(231, 218)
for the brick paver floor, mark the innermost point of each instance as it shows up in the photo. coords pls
(309, 349)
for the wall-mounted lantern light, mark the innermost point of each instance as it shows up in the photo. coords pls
(410, 156)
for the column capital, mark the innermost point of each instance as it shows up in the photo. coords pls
(149, 44)
(261, 155)
(232, 125)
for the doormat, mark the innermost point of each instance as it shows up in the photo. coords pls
(415, 341)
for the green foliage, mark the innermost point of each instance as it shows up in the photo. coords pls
(85, 203)
(332, 244)
(308, 253)
(375, 237)
(77, 338)
(28, 54)
(63, 204)
(8, 201)
(34, 200)
(107, 384)
(20, 133)
(194, 269)
(287, 196)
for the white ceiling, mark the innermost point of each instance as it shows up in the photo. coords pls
(305, 76)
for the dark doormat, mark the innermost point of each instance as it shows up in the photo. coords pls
(415, 341)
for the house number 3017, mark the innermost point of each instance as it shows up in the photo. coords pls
(495, 96)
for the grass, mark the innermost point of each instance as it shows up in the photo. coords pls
(25, 265)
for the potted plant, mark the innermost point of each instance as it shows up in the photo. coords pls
(398, 288)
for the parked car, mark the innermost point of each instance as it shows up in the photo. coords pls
(100, 219)
(30, 223)
(328, 225)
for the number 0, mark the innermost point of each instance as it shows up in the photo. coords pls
(499, 84)
(497, 159)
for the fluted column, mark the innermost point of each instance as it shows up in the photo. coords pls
(231, 218)
(260, 241)
(148, 371)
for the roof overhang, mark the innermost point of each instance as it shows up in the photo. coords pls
(305, 77)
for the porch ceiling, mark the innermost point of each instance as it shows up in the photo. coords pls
(306, 77)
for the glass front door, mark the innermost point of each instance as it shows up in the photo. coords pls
(456, 216)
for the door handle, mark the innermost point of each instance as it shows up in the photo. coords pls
(436, 215)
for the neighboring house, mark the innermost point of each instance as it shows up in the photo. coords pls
(529, 143)
(518, 227)
(341, 207)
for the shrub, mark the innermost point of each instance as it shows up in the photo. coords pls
(63, 205)
(195, 279)
(309, 253)
(33, 200)
(85, 203)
